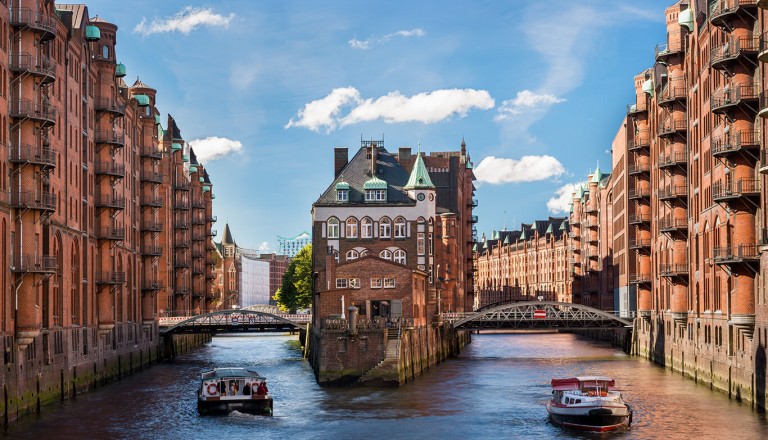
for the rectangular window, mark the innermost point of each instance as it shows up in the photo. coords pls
(342, 195)
(420, 243)
(389, 283)
(376, 283)
(354, 283)
(341, 283)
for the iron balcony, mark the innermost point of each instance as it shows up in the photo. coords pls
(35, 155)
(33, 263)
(41, 67)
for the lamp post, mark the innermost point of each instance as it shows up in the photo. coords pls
(438, 300)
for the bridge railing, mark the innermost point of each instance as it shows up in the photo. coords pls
(366, 324)
(169, 321)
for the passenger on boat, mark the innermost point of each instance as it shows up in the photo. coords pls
(262, 388)
(247, 389)
(222, 388)
(232, 387)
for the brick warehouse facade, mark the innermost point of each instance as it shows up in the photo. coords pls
(87, 193)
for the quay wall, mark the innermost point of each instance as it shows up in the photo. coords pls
(339, 358)
(31, 386)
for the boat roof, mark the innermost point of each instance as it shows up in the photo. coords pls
(217, 373)
(575, 382)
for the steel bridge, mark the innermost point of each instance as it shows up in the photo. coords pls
(537, 315)
(233, 321)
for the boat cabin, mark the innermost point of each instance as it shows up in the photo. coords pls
(574, 390)
(233, 384)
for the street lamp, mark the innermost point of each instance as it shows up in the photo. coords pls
(438, 300)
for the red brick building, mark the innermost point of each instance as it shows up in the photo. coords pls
(384, 221)
(85, 203)
(525, 264)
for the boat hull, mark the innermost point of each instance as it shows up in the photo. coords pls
(249, 406)
(595, 419)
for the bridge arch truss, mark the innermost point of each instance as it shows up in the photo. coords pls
(232, 321)
(539, 315)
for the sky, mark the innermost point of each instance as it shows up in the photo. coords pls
(264, 90)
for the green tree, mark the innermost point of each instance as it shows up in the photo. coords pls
(296, 289)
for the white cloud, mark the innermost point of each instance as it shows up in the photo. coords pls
(184, 21)
(212, 148)
(264, 247)
(526, 101)
(366, 44)
(425, 107)
(324, 112)
(496, 170)
(561, 202)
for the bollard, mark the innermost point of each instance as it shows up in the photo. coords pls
(352, 320)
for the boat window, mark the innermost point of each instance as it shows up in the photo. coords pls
(578, 400)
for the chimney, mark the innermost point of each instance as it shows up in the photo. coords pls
(340, 160)
(403, 155)
(374, 159)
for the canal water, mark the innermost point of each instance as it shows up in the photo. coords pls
(496, 389)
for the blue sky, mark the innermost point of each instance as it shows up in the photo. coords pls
(265, 89)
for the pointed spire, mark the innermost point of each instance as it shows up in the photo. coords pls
(419, 178)
(227, 239)
(597, 176)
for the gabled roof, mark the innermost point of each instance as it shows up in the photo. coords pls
(358, 171)
(174, 129)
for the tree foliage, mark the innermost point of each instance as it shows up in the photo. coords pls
(296, 289)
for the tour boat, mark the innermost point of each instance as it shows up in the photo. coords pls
(223, 390)
(588, 403)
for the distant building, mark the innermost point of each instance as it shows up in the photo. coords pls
(254, 281)
(292, 246)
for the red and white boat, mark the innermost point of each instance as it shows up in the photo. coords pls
(588, 403)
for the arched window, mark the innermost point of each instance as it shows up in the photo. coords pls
(366, 228)
(352, 255)
(399, 256)
(333, 227)
(364, 252)
(386, 254)
(385, 227)
(399, 227)
(105, 52)
(351, 227)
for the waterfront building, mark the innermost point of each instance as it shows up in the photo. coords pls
(695, 160)
(278, 264)
(384, 242)
(291, 246)
(527, 264)
(591, 250)
(85, 204)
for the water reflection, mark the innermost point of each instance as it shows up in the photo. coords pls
(497, 388)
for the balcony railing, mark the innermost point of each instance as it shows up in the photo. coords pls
(639, 193)
(181, 184)
(639, 243)
(635, 219)
(726, 99)
(729, 143)
(636, 168)
(673, 224)
(151, 176)
(113, 138)
(731, 190)
(152, 201)
(722, 56)
(673, 270)
(673, 192)
(640, 278)
(181, 263)
(110, 169)
(110, 201)
(110, 277)
(41, 67)
(38, 21)
(639, 107)
(674, 45)
(152, 285)
(181, 204)
(109, 105)
(673, 159)
(675, 90)
(738, 253)
(181, 224)
(640, 139)
(152, 250)
(720, 10)
(110, 233)
(151, 226)
(36, 155)
(45, 201)
(151, 152)
(672, 125)
(24, 108)
(33, 263)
